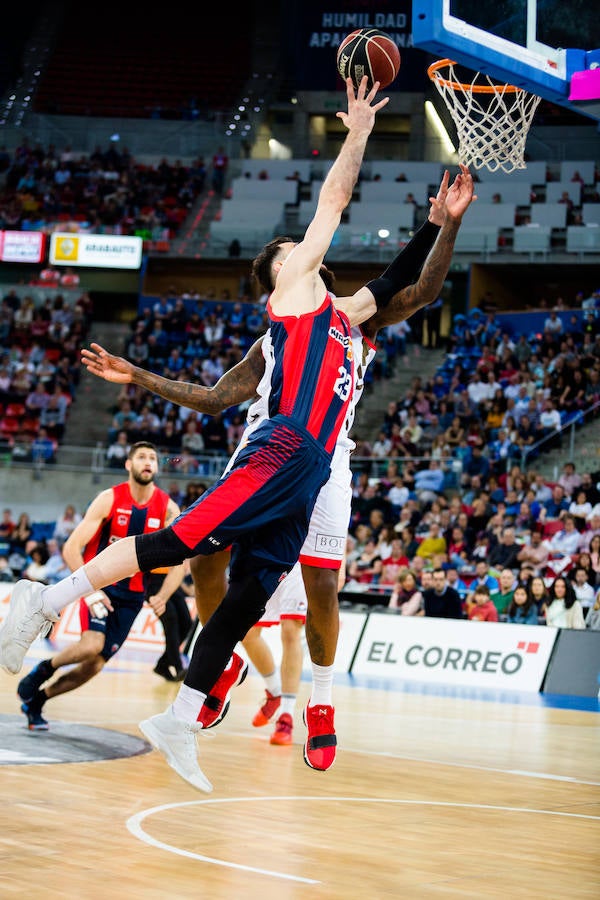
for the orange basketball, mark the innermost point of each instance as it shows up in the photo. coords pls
(368, 52)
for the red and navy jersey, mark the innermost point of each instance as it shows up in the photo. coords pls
(314, 371)
(126, 518)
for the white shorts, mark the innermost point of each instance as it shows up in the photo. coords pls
(325, 544)
(324, 547)
(288, 602)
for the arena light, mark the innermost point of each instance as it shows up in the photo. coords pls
(438, 126)
(277, 150)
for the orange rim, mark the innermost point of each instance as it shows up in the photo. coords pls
(433, 72)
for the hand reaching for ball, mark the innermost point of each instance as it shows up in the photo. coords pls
(361, 112)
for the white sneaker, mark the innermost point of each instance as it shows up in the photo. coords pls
(176, 740)
(26, 620)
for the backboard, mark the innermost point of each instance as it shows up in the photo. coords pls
(548, 47)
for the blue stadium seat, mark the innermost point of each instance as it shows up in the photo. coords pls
(42, 531)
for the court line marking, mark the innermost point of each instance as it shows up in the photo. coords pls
(523, 773)
(134, 825)
(442, 762)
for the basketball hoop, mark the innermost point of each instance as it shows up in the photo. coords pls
(492, 120)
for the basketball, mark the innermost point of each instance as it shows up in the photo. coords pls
(368, 52)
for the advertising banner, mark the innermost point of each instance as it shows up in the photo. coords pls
(351, 627)
(313, 31)
(22, 246)
(453, 652)
(104, 251)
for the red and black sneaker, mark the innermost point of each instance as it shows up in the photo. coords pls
(267, 710)
(319, 750)
(216, 705)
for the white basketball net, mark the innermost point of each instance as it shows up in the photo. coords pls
(492, 120)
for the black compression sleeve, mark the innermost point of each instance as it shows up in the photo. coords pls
(405, 268)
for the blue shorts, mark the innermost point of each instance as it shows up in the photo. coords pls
(115, 626)
(262, 505)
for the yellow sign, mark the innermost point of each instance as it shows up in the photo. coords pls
(66, 248)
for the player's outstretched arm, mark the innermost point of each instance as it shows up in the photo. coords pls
(235, 386)
(404, 268)
(427, 289)
(335, 193)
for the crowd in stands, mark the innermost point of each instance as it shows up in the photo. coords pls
(39, 370)
(496, 396)
(442, 492)
(469, 554)
(34, 550)
(446, 493)
(526, 552)
(443, 501)
(192, 340)
(106, 191)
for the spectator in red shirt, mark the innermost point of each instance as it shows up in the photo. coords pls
(482, 609)
(395, 563)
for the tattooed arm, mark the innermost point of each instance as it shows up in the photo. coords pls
(434, 272)
(235, 386)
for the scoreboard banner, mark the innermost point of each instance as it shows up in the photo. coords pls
(22, 246)
(315, 30)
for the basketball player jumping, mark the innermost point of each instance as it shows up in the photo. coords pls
(262, 505)
(321, 560)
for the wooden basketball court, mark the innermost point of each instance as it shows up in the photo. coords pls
(430, 796)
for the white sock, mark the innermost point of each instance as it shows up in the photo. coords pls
(288, 704)
(273, 683)
(187, 704)
(56, 597)
(322, 685)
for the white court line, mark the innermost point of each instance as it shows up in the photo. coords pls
(135, 827)
(444, 762)
(522, 773)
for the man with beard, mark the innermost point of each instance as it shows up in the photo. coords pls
(135, 506)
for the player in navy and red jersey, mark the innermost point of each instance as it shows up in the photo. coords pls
(300, 387)
(428, 253)
(135, 506)
(263, 503)
(321, 559)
